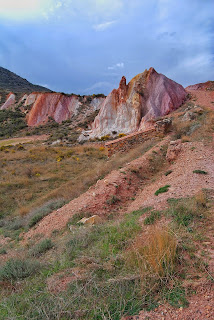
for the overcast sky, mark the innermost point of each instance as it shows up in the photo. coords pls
(86, 46)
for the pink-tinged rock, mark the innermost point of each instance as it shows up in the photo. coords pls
(10, 101)
(131, 107)
(25, 96)
(52, 105)
(31, 99)
(209, 85)
(57, 106)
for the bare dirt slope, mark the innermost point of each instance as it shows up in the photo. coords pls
(183, 182)
(203, 97)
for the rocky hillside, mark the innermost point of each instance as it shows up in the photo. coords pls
(60, 107)
(132, 106)
(11, 82)
(84, 236)
(40, 105)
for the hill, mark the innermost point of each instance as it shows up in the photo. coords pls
(152, 246)
(11, 82)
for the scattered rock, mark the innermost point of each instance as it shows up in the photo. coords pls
(188, 116)
(95, 219)
(173, 150)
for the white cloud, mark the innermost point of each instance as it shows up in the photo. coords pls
(103, 26)
(119, 65)
(59, 4)
(20, 9)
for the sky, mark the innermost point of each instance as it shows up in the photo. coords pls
(86, 46)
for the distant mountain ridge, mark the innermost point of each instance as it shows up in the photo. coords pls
(9, 81)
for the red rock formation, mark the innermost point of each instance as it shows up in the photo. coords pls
(57, 106)
(131, 107)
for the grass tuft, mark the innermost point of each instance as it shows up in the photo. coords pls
(155, 215)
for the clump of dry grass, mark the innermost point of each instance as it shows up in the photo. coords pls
(200, 198)
(156, 259)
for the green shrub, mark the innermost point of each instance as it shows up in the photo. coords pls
(41, 248)
(38, 214)
(162, 190)
(15, 269)
(152, 218)
(200, 172)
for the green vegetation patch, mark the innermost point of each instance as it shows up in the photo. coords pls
(155, 215)
(15, 269)
(11, 122)
(200, 172)
(41, 212)
(42, 247)
(162, 189)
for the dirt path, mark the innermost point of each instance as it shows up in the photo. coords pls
(14, 141)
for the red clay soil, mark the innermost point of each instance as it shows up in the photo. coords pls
(203, 97)
(183, 182)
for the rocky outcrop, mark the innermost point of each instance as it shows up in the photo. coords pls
(10, 101)
(132, 106)
(59, 107)
(40, 107)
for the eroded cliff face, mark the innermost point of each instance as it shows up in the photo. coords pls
(131, 107)
(40, 107)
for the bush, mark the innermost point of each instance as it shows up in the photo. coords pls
(41, 248)
(162, 190)
(41, 212)
(15, 269)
